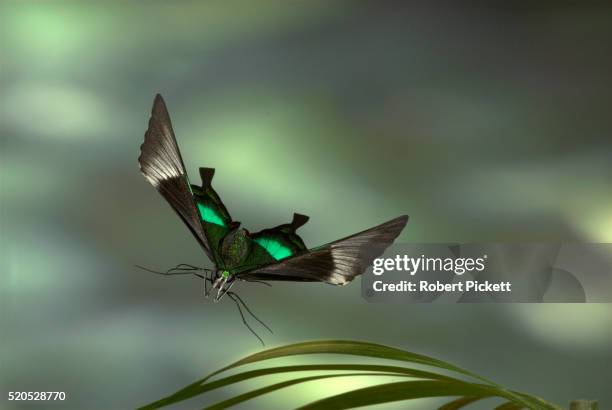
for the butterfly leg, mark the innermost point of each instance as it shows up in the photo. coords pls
(231, 296)
(206, 291)
(239, 299)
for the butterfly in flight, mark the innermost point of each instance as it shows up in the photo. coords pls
(275, 254)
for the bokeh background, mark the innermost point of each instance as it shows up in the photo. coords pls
(482, 122)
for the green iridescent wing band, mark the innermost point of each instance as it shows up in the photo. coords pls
(282, 241)
(336, 263)
(216, 220)
(272, 245)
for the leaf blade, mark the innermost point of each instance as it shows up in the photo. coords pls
(346, 347)
(277, 386)
(236, 378)
(399, 391)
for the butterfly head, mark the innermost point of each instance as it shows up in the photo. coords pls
(223, 282)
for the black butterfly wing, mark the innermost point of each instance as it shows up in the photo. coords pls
(162, 165)
(337, 262)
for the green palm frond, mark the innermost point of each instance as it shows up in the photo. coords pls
(464, 389)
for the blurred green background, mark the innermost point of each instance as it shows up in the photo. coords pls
(482, 122)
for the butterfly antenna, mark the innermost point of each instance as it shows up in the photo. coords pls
(231, 296)
(188, 266)
(239, 299)
(173, 271)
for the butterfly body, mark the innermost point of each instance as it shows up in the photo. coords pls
(235, 247)
(274, 254)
